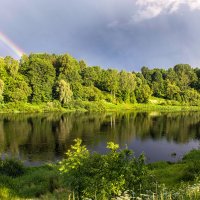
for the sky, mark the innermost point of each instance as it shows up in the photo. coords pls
(122, 34)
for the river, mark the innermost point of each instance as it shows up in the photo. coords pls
(39, 138)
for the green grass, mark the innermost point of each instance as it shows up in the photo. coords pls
(21, 107)
(193, 155)
(171, 175)
(155, 104)
(35, 182)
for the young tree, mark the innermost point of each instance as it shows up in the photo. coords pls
(65, 93)
(173, 91)
(111, 81)
(142, 91)
(127, 82)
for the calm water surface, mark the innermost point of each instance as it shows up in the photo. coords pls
(39, 138)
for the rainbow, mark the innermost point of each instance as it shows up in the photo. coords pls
(11, 45)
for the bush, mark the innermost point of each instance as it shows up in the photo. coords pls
(192, 171)
(37, 182)
(192, 155)
(99, 176)
(11, 167)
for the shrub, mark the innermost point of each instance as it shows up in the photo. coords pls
(11, 167)
(191, 171)
(99, 176)
(37, 182)
(192, 155)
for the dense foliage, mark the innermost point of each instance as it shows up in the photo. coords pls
(11, 167)
(99, 176)
(39, 78)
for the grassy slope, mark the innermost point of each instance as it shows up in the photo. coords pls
(169, 174)
(155, 104)
(172, 174)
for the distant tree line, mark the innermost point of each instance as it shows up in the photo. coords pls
(41, 78)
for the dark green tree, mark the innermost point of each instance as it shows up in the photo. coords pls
(186, 75)
(41, 75)
(68, 68)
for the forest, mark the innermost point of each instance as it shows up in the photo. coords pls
(61, 80)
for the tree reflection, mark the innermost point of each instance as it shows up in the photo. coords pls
(45, 137)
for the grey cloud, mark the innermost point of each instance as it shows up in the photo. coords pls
(101, 32)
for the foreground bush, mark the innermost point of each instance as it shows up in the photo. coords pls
(99, 176)
(11, 167)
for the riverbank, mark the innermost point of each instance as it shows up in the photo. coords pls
(159, 180)
(155, 104)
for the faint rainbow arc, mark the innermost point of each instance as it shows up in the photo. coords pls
(11, 45)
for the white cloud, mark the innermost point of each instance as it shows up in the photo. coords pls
(147, 9)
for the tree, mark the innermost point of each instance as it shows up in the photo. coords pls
(16, 89)
(12, 65)
(142, 91)
(91, 93)
(41, 75)
(172, 76)
(65, 93)
(146, 72)
(173, 91)
(68, 68)
(111, 81)
(191, 96)
(186, 75)
(1, 90)
(3, 72)
(89, 76)
(127, 82)
(82, 65)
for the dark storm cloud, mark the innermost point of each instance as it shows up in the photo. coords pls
(102, 32)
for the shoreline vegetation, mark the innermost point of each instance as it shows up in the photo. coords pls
(49, 82)
(118, 174)
(85, 106)
(95, 106)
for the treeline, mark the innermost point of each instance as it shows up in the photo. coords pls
(62, 79)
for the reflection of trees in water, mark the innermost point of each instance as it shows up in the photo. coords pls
(177, 127)
(87, 126)
(44, 136)
(2, 137)
(62, 129)
(29, 134)
(172, 126)
(119, 127)
(16, 132)
(41, 140)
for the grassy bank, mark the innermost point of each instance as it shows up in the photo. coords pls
(159, 180)
(155, 104)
